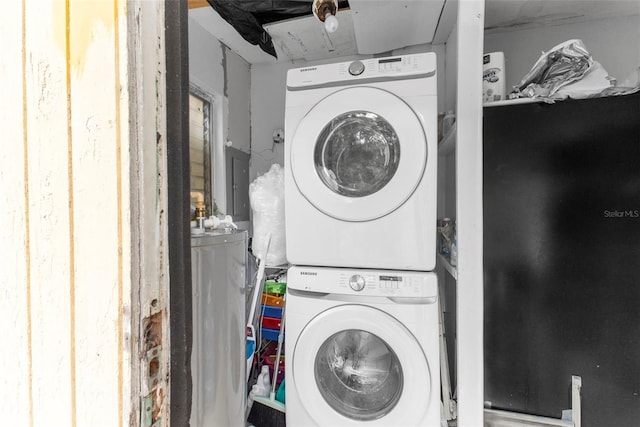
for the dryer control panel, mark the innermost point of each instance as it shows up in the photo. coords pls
(372, 283)
(372, 70)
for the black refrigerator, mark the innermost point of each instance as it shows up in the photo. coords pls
(562, 257)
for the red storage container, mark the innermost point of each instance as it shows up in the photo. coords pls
(271, 323)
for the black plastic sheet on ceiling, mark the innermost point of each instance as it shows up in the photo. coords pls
(248, 16)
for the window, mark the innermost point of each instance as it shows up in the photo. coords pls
(200, 153)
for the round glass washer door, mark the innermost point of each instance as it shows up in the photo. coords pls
(369, 372)
(359, 154)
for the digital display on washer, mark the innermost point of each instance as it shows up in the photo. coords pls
(386, 61)
(391, 278)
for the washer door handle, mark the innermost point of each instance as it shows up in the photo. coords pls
(413, 301)
(307, 293)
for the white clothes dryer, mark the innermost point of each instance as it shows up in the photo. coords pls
(362, 348)
(360, 164)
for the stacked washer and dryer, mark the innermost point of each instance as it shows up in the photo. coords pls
(362, 337)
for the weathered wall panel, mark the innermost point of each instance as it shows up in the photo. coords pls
(50, 214)
(65, 262)
(149, 225)
(95, 193)
(15, 361)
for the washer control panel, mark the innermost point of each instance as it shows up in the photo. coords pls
(386, 283)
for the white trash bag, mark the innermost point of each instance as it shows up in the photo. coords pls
(266, 195)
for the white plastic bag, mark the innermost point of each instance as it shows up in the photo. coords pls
(266, 195)
(564, 64)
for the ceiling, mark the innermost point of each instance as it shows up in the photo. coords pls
(508, 15)
(376, 26)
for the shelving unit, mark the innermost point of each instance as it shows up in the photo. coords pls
(447, 144)
(446, 147)
(447, 278)
(448, 267)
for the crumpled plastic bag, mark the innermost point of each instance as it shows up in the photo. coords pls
(632, 80)
(567, 70)
(266, 196)
(631, 84)
(594, 82)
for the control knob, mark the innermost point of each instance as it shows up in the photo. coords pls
(356, 282)
(356, 68)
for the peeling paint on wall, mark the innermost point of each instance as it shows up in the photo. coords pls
(152, 329)
(153, 369)
(89, 20)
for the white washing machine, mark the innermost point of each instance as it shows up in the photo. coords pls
(360, 164)
(362, 348)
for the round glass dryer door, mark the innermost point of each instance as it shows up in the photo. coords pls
(359, 363)
(359, 154)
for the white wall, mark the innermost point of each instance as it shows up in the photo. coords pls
(267, 114)
(206, 57)
(268, 88)
(612, 42)
(238, 85)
